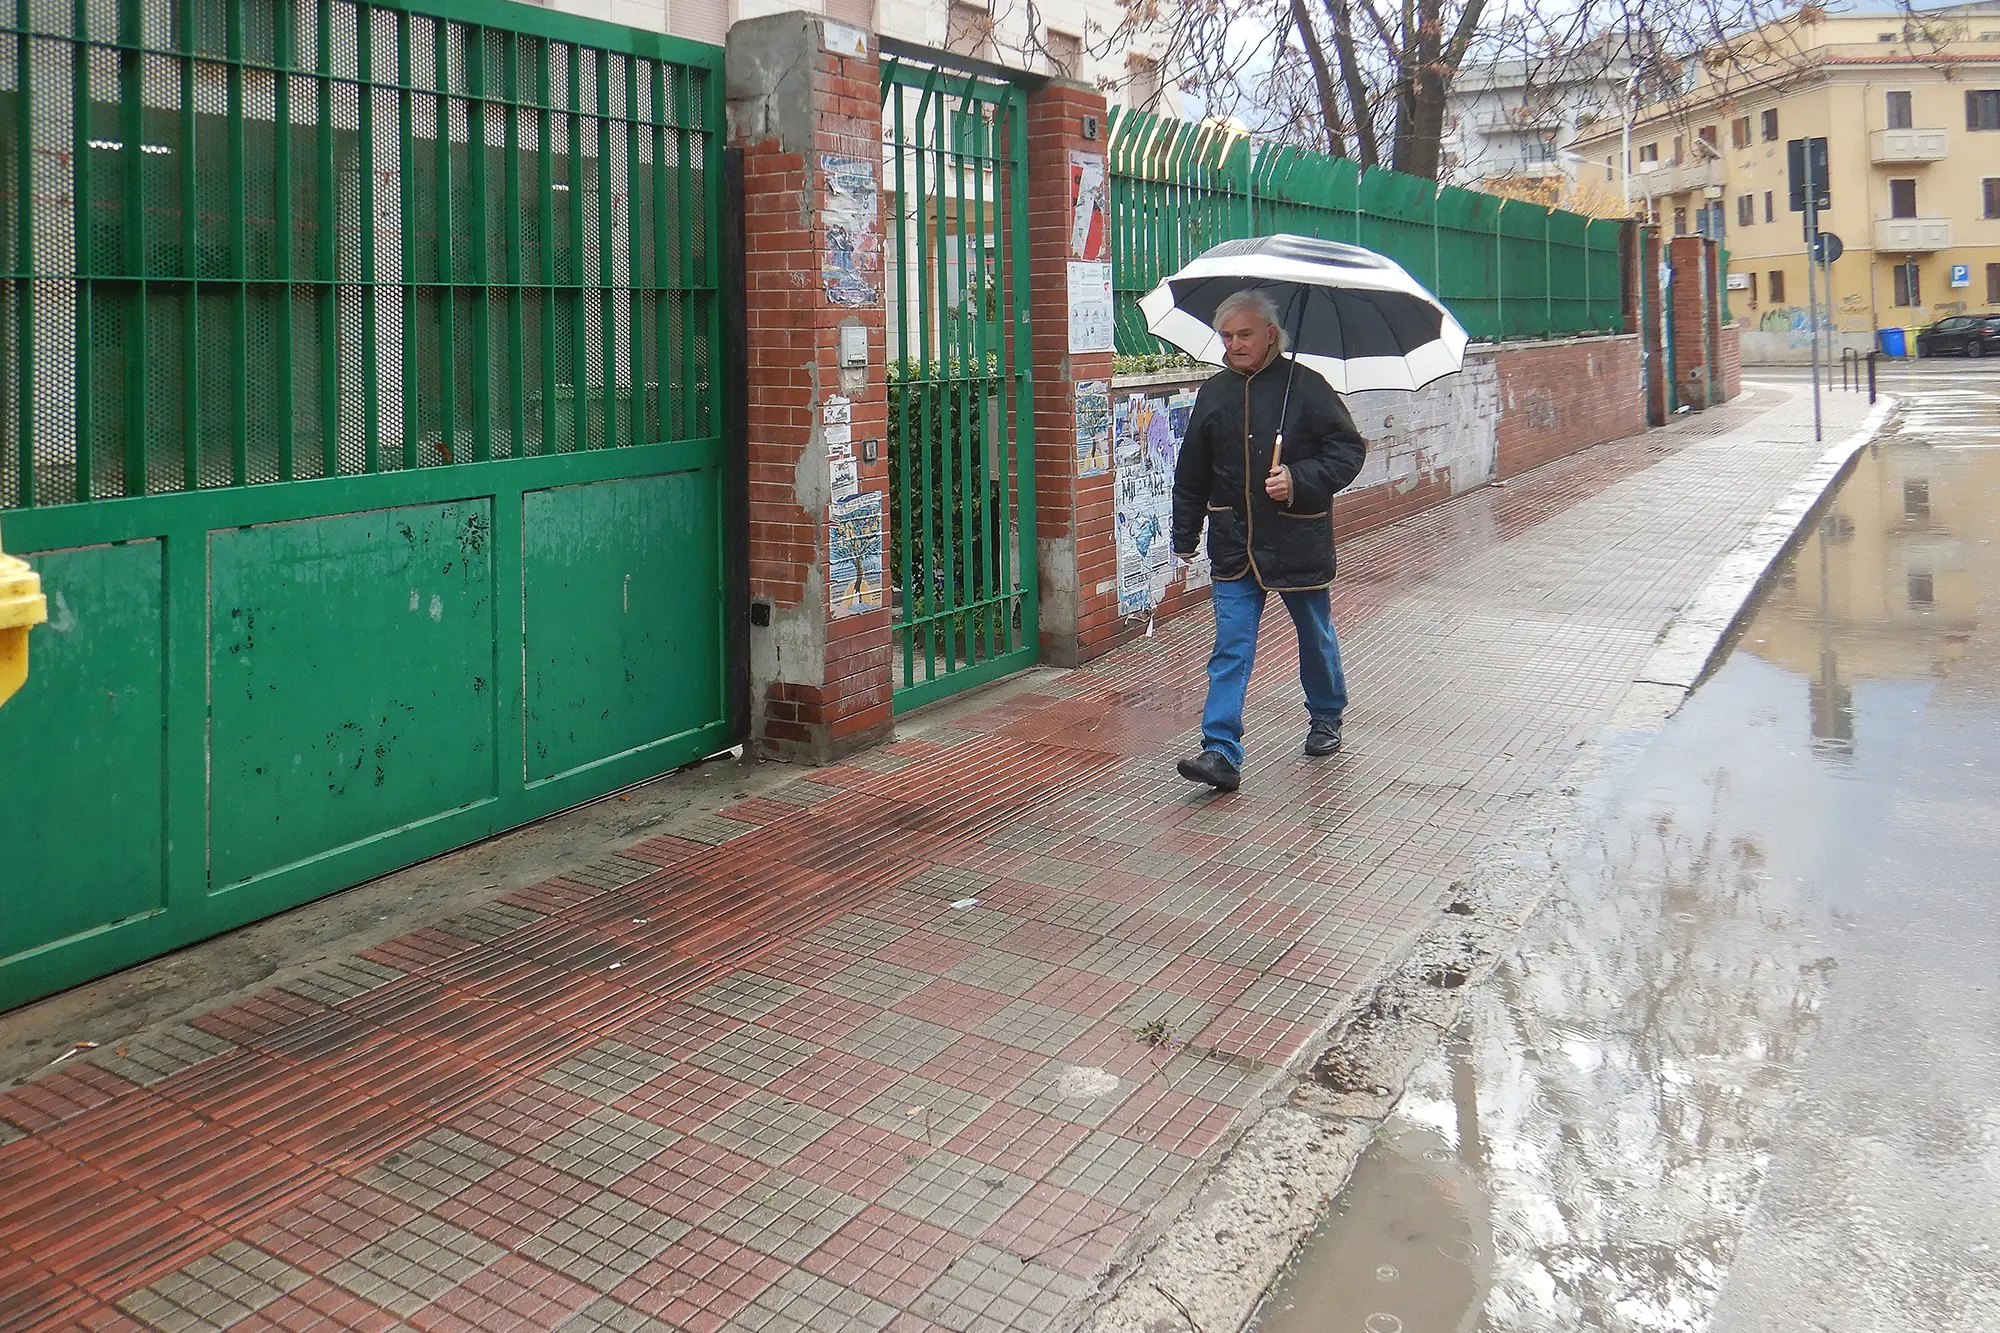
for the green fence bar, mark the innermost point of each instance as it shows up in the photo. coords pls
(1505, 269)
(961, 443)
(252, 242)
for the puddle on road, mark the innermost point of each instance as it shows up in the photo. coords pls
(1586, 1150)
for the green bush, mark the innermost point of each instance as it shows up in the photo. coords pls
(1152, 363)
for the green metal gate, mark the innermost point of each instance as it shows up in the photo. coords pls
(363, 417)
(961, 415)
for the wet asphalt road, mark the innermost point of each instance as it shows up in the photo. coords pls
(1743, 1073)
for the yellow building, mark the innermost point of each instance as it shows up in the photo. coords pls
(1910, 109)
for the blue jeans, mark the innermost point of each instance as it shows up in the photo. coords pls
(1239, 605)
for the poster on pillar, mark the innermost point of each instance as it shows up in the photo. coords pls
(1089, 208)
(1148, 429)
(1093, 428)
(854, 554)
(1091, 322)
(852, 262)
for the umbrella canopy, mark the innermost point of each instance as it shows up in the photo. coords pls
(1353, 316)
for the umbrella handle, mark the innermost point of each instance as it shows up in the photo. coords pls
(1291, 375)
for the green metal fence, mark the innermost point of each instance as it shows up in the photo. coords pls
(961, 415)
(362, 416)
(416, 241)
(1506, 269)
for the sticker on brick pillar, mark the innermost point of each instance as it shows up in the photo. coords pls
(1093, 428)
(853, 255)
(854, 553)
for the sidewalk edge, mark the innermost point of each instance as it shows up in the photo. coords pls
(1692, 643)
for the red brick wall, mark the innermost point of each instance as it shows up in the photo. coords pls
(1556, 398)
(1731, 342)
(1074, 516)
(821, 682)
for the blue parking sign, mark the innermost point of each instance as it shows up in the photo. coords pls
(1961, 275)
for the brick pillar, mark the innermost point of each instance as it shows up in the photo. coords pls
(1074, 515)
(1658, 399)
(1690, 297)
(819, 655)
(1712, 295)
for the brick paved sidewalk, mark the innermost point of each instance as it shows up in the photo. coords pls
(917, 1042)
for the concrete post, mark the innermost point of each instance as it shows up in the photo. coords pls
(804, 105)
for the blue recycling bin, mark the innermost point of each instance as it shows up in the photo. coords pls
(1893, 343)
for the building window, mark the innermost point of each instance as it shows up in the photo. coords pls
(1902, 199)
(1680, 148)
(1982, 109)
(1706, 134)
(1648, 153)
(1771, 125)
(1739, 132)
(1908, 290)
(1752, 289)
(1680, 222)
(1145, 86)
(1917, 499)
(1607, 168)
(1769, 216)
(1065, 53)
(1920, 588)
(1899, 111)
(969, 31)
(1989, 191)
(1777, 286)
(1993, 284)
(1746, 209)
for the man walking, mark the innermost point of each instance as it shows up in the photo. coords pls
(1266, 489)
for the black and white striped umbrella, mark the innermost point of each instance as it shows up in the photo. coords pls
(1353, 316)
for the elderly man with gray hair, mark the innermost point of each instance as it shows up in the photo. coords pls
(1268, 446)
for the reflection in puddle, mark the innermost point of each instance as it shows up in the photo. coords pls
(1586, 1150)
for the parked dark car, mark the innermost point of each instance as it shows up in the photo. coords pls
(1961, 335)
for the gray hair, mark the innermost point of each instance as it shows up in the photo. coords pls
(1253, 302)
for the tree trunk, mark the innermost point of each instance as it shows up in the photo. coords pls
(1424, 87)
(1367, 151)
(1329, 100)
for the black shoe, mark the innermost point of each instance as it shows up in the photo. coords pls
(1323, 739)
(1212, 768)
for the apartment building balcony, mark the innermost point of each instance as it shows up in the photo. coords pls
(1912, 235)
(1519, 120)
(1908, 145)
(1680, 178)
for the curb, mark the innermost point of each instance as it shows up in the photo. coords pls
(1209, 1271)
(1692, 645)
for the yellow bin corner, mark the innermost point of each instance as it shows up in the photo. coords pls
(22, 607)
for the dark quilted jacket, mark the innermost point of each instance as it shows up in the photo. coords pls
(1226, 456)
